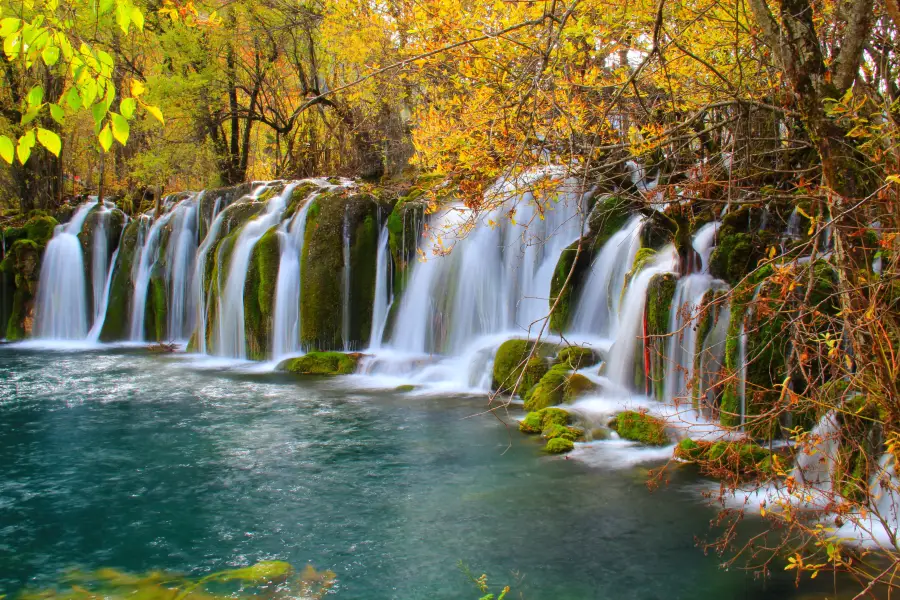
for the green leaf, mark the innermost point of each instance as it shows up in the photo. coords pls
(26, 143)
(30, 115)
(11, 45)
(50, 55)
(73, 98)
(6, 149)
(106, 6)
(126, 107)
(88, 91)
(120, 127)
(105, 138)
(154, 110)
(137, 17)
(57, 113)
(49, 140)
(99, 111)
(35, 96)
(123, 15)
(9, 25)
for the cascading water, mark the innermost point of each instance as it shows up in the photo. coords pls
(94, 333)
(181, 252)
(61, 312)
(452, 300)
(287, 319)
(100, 266)
(384, 297)
(621, 362)
(712, 360)
(149, 254)
(597, 309)
(230, 337)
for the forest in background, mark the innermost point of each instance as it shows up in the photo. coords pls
(760, 106)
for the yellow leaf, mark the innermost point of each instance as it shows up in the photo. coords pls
(137, 88)
(154, 110)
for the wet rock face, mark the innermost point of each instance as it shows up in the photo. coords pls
(21, 272)
(337, 223)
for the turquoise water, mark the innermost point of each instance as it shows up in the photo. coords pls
(123, 459)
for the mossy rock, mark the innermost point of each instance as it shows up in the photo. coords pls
(405, 224)
(299, 195)
(737, 253)
(156, 313)
(643, 258)
(21, 270)
(40, 228)
(538, 421)
(564, 297)
(322, 264)
(559, 446)
(608, 215)
(117, 322)
(114, 223)
(660, 292)
(549, 391)
(321, 363)
(577, 385)
(641, 427)
(405, 388)
(508, 365)
(223, 197)
(562, 431)
(577, 357)
(259, 294)
(729, 460)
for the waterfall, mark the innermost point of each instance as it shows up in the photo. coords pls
(345, 291)
(496, 279)
(815, 465)
(149, 254)
(630, 331)
(181, 253)
(230, 339)
(384, 297)
(61, 311)
(287, 319)
(792, 230)
(597, 308)
(94, 333)
(712, 360)
(99, 262)
(684, 314)
(704, 241)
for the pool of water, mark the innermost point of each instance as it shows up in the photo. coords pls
(124, 459)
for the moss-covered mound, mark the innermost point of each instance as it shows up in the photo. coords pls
(727, 459)
(219, 198)
(21, 272)
(741, 244)
(332, 216)
(577, 357)
(540, 420)
(108, 223)
(609, 215)
(550, 390)
(512, 359)
(577, 385)
(641, 427)
(259, 294)
(559, 445)
(322, 363)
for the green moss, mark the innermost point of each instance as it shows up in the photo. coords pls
(727, 459)
(510, 361)
(298, 196)
(607, 217)
(156, 313)
(577, 357)
(404, 229)
(577, 385)
(118, 310)
(538, 421)
(562, 431)
(559, 445)
(641, 427)
(643, 257)
(404, 388)
(40, 229)
(322, 264)
(22, 268)
(660, 292)
(321, 363)
(561, 317)
(259, 294)
(549, 391)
